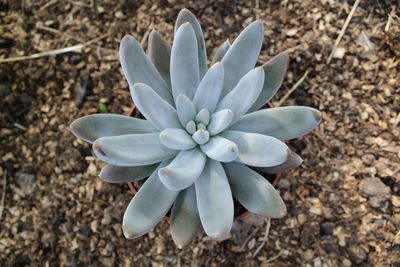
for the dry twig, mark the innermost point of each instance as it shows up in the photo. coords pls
(342, 31)
(292, 89)
(76, 48)
(265, 238)
(274, 257)
(248, 238)
(389, 20)
(3, 196)
(146, 34)
(50, 3)
(257, 11)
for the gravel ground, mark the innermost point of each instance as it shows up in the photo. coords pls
(343, 202)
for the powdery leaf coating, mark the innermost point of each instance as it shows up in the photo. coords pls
(183, 170)
(122, 174)
(132, 149)
(177, 139)
(138, 68)
(159, 53)
(237, 62)
(203, 127)
(184, 62)
(214, 201)
(91, 127)
(185, 220)
(254, 192)
(154, 108)
(209, 90)
(147, 207)
(257, 149)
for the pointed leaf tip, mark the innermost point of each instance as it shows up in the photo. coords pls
(284, 123)
(237, 63)
(275, 71)
(318, 115)
(91, 127)
(138, 67)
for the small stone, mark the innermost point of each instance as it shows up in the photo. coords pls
(329, 244)
(357, 254)
(368, 159)
(107, 217)
(308, 254)
(395, 201)
(284, 184)
(254, 219)
(291, 32)
(317, 262)
(346, 263)
(339, 52)
(27, 182)
(119, 14)
(374, 187)
(327, 228)
(251, 243)
(92, 169)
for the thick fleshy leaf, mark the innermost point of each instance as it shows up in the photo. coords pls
(214, 201)
(186, 16)
(91, 127)
(258, 150)
(253, 191)
(242, 56)
(147, 207)
(209, 90)
(183, 170)
(184, 62)
(201, 136)
(203, 116)
(159, 53)
(132, 149)
(245, 93)
(139, 69)
(155, 109)
(291, 162)
(283, 123)
(177, 139)
(220, 149)
(220, 120)
(221, 51)
(275, 70)
(185, 220)
(120, 174)
(190, 127)
(185, 108)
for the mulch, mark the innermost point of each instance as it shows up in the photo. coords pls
(343, 202)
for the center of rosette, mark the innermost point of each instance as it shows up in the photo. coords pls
(198, 127)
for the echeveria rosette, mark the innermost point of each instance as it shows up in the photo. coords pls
(202, 131)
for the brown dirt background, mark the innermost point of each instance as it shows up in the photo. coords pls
(343, 202)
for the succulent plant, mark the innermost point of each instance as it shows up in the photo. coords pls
(203, 130)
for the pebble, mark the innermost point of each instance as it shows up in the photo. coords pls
(27, 182)
(254, 219)
(327, 228)
(357, 254)
(374, 187)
